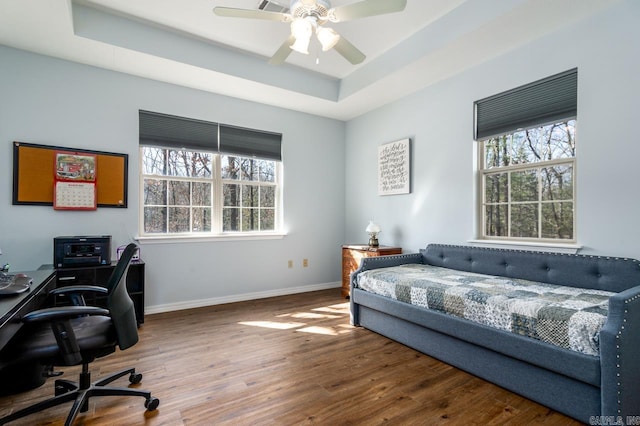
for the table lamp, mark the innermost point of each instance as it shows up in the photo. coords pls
(373, 230)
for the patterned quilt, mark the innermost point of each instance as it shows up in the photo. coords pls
(567, 317)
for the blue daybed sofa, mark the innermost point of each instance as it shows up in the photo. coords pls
(592, 388)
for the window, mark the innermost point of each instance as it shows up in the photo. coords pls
(527, 161)
(528, 181)
(249, 192)
(178, 191)
(201, 191)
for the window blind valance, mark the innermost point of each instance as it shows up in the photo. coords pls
(250, 143)
(177, 132)
(551, 99)
(186, 133)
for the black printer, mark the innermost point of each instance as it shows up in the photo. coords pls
(72, 251)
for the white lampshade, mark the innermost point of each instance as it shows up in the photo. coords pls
(372, 227)
(327, 38)
(301, 46)
(301, 29)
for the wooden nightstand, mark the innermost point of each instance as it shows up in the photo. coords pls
(351, 255)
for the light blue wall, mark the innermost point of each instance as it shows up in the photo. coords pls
(54, 102)
(439, 119)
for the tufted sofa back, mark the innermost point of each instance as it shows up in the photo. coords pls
(594, 272)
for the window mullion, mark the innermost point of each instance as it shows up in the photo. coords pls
(217, 196)
(167, 209)
(509, 205)
(526, 166)
(539, 202)
(191, 209)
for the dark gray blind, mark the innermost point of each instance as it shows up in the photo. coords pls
(250, 143)
(551, 99)
(177, 132)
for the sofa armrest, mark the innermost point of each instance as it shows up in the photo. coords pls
(377, 262)
(619, 355)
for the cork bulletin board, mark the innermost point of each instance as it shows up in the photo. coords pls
(33, 175)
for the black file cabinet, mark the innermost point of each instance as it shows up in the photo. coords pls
(98, 275)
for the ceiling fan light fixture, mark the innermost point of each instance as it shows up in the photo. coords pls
(327, 37)
(308, 16)
(301, 29)
(301, 46)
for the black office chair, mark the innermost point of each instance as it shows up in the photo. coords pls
(73, 335)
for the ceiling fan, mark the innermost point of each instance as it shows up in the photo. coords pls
(309, 16)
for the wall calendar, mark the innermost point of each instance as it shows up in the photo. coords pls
(74, 181)
(75, 196)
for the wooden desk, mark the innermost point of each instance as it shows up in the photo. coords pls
(13, 307)
(351, 255)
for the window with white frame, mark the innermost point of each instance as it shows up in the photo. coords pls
(199, 190)
(249, 189)
(528, 183)
(527, 161)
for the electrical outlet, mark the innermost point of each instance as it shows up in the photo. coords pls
(290, 264)
(305, 263)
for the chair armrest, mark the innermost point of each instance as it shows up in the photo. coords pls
(62, 313)
(78, 289)
(75, 293)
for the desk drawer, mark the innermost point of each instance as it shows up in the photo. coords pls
(76, 277)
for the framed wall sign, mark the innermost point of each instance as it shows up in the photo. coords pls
(394, 168)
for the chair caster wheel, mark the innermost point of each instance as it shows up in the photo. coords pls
(151, 403)
(135, 378)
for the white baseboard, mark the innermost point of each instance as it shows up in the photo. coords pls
(169, 307)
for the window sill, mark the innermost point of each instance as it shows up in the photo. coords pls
(523, 245)
(177, 239)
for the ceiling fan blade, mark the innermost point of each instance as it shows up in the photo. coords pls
(367, 8)
(233, 12)
(283, 52)
(349, 51)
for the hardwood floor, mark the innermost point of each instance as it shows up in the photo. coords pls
(285, 360)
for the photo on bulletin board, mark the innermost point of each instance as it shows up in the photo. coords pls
(35, 175)
(74, 166)
(394, 168)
